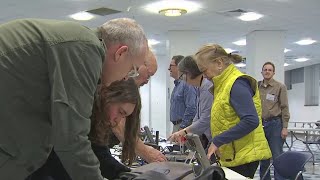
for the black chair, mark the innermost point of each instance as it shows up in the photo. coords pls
(290, 164)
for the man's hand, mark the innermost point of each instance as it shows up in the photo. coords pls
(153, 155)
(148, 153)
(213, 149)
(284, 133)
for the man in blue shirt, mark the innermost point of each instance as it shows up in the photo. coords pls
(183, 99)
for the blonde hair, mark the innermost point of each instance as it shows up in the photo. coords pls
(211, 52)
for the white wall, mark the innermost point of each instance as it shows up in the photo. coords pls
(256, 55)
(145, 101)
(298, 111)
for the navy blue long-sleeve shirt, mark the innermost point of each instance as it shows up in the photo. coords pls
(241, 101)
(183, 103)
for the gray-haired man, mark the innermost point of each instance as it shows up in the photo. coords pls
(49, 72)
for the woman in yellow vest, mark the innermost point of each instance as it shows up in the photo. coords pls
(237, 135)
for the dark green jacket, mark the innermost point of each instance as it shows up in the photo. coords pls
(48, 73)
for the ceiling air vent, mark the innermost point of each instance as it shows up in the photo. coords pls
(103, 11)
(290, 57)
(232, 13)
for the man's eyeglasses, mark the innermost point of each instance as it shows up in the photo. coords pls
(134, 72)
(171, 65)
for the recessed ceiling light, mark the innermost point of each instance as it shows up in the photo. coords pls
(286, 50)
(173, 12)
(152, 42)
(306, 41)
(301, 59)
(250, 16)
(286, 64)
(241, 42)
(82, 16)
(240, 65)
(173, 8)
(229, 50)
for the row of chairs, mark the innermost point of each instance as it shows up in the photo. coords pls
(311, 139)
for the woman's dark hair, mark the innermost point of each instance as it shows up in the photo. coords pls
(177, 59)
(188, 65)
(124, 91)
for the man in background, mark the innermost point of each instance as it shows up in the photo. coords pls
(275, 114)
(183, 98)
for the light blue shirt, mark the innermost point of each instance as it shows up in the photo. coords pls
(183, 103)
(201, 122)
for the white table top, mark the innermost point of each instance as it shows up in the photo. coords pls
(302, 129)
(231, 175)
(303, 122)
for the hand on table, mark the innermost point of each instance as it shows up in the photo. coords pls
(153, 155)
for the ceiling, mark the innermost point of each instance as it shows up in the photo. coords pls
(297, 17)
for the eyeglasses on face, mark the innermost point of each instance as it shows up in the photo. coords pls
(171, 65)
(134, 72)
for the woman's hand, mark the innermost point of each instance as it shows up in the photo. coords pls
(176, 137)
(213, 149)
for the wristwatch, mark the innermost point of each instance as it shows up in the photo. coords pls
(185, 131)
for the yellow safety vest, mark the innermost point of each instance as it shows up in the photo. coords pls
(253, 146)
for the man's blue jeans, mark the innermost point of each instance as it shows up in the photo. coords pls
(272, 129)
